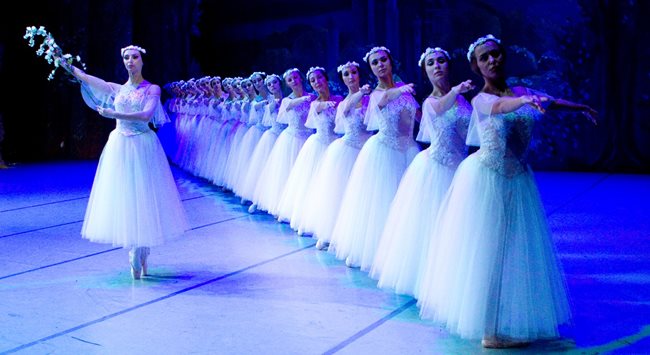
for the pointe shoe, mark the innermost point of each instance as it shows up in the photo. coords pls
(321, 245)
(136, 264)
(144, 254)
(349, 262)
(252, 208)
(499, 343)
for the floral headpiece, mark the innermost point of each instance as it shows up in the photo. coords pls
(267, 80)
(313, 69)
(260, 73)
(373, 51)
(289, 71)
(53, 53)
(478, 42)
(216, 78)
(137, 48)
(430, 51)
(348, 64)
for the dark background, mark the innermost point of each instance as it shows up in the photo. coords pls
(595, 52)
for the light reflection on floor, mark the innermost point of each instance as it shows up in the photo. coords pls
(240, 283)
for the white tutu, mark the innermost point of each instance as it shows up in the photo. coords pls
(493, 233)
(134, 200)
(404, 242)
(277, 168)
(491, 267)
(274, 176)
(326, 190)
(374, 180)
(246, 149)
(293, 200)
(403, 245)
(330, 180)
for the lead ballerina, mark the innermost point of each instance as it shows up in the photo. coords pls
(134, 202)
(494, 274)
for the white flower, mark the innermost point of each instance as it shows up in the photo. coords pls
(49, 49)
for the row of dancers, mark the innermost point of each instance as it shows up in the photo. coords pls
(465, 235)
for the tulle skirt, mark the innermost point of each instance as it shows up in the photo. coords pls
(230, 171)
(404, 242)
(373, 182)
(206, 162)
(276, 170)
(134, 201)
(326, 191)
(257, 162)
(246, 148)
(224, 138)
(492, 267)
(292, 201)
(206, 131)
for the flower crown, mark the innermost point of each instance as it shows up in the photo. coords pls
(373, 51)
(313, 69)
(430, 51)
(137, 48)
(289, 71)
(267, 80)
(478, 42)
(260, 73)
(348, 64)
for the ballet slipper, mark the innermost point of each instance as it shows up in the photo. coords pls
(144, 254)
(136, 265)
(501, 343)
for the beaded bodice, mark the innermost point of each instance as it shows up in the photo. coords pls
(504, 137)
(355, 134)
(323, 122)
(296, 117)
(395, 121)
(447, 131)
(131, 99)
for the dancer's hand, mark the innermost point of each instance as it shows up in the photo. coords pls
(365, 89)
(591, 114)
(535, 101)
(463, 87)
(106, 112)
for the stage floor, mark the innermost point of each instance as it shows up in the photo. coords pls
(238, 283)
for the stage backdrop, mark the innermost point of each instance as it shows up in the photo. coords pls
(587, 51)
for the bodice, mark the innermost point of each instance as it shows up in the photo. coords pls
(504, 137)
(395, 121)
(447, 131)
(354, 129)
(131, 99)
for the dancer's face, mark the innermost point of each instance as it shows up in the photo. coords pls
(318, 81)
(380, 64)
(132, 59)
(274, 86)
(258, 82)
(436, 67)
(351, 77)
(293, 80)
(247, 85)
(490, 60)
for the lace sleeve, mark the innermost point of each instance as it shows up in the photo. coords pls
(482, 109)
(95, 96)
(312, 116)
(426, 124)
(282, 111)
(371, 119)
